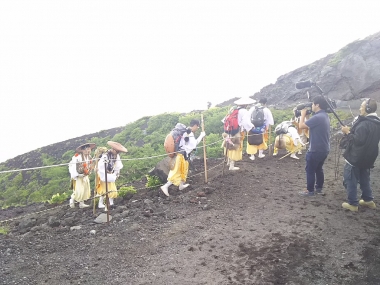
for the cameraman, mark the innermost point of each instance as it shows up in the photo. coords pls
(361, 152)
(319, 147)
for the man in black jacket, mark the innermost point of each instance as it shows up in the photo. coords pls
(360, 154)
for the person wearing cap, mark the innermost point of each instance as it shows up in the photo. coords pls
(268, 121)
(109, 164)
(80, 168)
(235, 153)
(188, 143)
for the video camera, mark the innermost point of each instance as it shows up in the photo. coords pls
(297, 111)
(331, 104)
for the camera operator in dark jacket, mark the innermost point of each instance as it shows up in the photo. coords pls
(362, 149)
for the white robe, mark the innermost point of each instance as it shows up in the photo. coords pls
(191, 144)
(82, 190)
(111, 177)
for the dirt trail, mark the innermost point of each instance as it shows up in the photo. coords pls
(251, 227)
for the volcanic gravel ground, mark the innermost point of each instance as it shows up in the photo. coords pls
(244, 227)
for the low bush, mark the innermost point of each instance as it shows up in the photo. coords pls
(125, 190)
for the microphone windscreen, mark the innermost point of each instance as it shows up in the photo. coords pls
(304, 84)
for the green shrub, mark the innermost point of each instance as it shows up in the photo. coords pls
(4, 230)
(125, 190)
(59, 198)
(153, 181)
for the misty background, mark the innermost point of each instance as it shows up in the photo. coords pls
(70, 68)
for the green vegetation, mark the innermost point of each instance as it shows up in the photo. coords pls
(125, 190)
(152, 181)
(144, 140)
(4, 230)
(59, 198)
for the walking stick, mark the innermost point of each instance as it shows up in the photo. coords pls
(226, 157)
(270, 145)
(289, 153)
(204, 149)
(94, 210)
(107, 202)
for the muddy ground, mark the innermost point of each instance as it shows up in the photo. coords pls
(246, 227)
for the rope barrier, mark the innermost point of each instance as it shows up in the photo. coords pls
(94, 159)
(93, 198)
(123, 159)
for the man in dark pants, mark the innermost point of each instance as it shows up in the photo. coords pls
(319, 131)
(362, 149)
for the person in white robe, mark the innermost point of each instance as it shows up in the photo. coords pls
(109, 164)
(80, 168)
(235, 143)
(178, 174)
(268, 121)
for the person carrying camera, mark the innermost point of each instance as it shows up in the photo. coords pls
(361, 151)
(319, 147)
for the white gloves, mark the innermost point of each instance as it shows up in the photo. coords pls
(202, 135)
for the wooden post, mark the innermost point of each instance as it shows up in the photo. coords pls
(204, 149)
(94, 210)
(107, 201)
(270, 145)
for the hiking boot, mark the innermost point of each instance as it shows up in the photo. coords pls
(306, 193)
(252, 157)
(350, 207)
(369, 204)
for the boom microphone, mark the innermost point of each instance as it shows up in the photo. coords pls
(304, 84)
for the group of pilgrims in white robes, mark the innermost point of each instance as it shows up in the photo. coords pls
(106, 167)
(293, 140)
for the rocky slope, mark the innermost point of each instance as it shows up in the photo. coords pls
(347, 75)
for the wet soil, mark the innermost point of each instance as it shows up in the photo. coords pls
(244, 227)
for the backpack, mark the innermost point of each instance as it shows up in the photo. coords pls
(257, 117)
(282, 128)
(173, 139)
(255, 138)
(231, 124)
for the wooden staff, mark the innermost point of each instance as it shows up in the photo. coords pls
(94, 210)
(270, 145)
(204, 149)
(226, 157)
(94, 167)
(107, 201)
